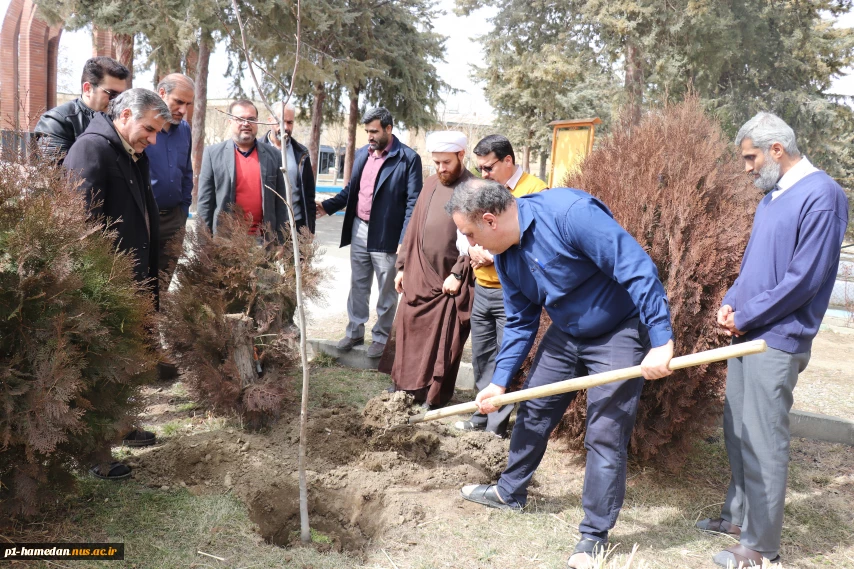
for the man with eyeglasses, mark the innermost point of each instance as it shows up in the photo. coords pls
(241, 172)
(496, 161)
(103, 80)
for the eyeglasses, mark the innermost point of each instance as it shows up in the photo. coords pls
(488, 169)
(110, 94)
(247, 120)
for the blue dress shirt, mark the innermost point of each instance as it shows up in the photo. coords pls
(577, 262)
(171, 167)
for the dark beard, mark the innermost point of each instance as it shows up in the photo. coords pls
(451, 178)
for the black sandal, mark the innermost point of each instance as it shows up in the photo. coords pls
(590, 547)
(117, 471)
(487, 495)
(139, 438)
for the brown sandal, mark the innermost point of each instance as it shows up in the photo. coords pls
(740, 556)
(719, 525)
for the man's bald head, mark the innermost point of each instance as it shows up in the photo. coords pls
(178, 91)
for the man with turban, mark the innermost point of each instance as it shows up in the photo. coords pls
(434, 280)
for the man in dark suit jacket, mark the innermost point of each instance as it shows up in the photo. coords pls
(379, 198)
(300, 172)
(241, 171)
(113, 169)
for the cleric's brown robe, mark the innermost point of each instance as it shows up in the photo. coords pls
(430, 328)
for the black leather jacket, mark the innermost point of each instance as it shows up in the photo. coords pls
(59, 127)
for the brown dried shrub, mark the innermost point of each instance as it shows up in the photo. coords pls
(677, 185)
(237, 273)
(75, 345)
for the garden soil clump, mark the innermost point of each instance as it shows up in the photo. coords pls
(363, 476)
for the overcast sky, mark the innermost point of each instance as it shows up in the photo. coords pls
(462, 54)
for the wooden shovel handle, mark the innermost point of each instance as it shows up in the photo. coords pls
(586, 382)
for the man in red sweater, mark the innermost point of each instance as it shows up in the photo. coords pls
(245, 172)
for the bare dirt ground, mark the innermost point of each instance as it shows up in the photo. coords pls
(826, 385)
(389, 497)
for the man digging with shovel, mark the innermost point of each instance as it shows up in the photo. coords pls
(562, 250)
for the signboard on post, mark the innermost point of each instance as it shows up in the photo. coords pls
(571, 142)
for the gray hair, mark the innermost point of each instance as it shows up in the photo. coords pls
(764, 130)
(139, 101)
(172, 80)
(475, 197)
(277, 108)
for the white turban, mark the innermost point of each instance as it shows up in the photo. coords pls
(446, 141)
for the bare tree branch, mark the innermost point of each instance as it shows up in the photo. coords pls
(305, 530)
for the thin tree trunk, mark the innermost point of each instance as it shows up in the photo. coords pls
(191, 62)
(543, 158)
(526, 159)
(305, 529)
(200, 111)
(634, 80)
(352, 124)
(316, 125)
(123, 44)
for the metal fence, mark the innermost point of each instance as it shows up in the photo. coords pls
(16, 144)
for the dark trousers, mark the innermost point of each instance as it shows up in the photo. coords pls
(487, 330)
(611, 412)
(756, 430)
(172, 224)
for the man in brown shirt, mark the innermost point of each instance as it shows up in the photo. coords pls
(435, 283)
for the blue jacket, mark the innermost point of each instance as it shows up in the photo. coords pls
(577, 262)
(396, 190)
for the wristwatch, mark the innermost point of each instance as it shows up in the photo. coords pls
(456, 276)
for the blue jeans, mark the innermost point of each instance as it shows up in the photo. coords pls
(611, 412)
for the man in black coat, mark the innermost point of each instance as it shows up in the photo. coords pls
(103, 80)
(379, 198)
(109, 160)
(115, 177)
(300, 172)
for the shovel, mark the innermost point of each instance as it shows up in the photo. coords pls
(586, 382)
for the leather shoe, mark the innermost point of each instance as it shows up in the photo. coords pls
(486, 495)
(375, 350)
(346, 343)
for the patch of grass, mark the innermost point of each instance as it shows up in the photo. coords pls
(191, 406)
(166, 529)
(322, 359)
(343, 386)
(173, 427)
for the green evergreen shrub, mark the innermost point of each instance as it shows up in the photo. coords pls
(74, 342)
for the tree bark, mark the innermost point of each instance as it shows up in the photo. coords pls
(352, 125)
(543, 159)
(191, 62)
(526, 159)
(242, 350)
(316, 125)
(200, 111)
(634, 81)
(123, 44)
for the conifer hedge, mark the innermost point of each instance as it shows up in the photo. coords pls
(74, 341)
(231, 280)
(676, 183)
